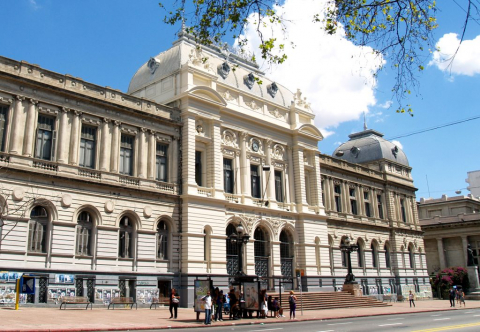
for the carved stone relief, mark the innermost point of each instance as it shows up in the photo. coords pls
(227, 95)
(229, 138)
(253, 105)
(278, 152)
(276, 113)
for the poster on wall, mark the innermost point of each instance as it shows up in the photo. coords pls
(250, 290)
(201, 289)
(3, 276)
(64, 278)
(8, 295)
(147, 295)
(105, 295)
(56, 293)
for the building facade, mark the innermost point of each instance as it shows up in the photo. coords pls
(450, 225)
(473, 180)
(108, 193)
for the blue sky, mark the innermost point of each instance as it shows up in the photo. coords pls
(105, 42)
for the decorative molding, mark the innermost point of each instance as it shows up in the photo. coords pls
(6, 100)
(297, 97)
(276, 113)
(197, 58)
(227, 152)
(223, 69)
(90, 120)
(253, 105)
(48, 110)
(229, 138)
(272, 89)
(153, 64)
(249, 80)
(199, 127)
(278, 152)
(228, 96)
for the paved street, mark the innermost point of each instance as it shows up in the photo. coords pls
(465, 320)
(358, 319)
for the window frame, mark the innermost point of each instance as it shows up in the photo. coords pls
(41, 142)
(4, 111)
(128, 251)
(279, 192)
(161, 162)
(38, 224)
(126, 161)
(162, 241)
(228, 176)
(84, 226)
(85, 140)
(255, 181)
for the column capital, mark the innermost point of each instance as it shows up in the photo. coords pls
(106, 120)
(20, 97)
(143, 130)
(243, 135)
(33, 101)
(65, 109)
(117, 123)
(77, 112)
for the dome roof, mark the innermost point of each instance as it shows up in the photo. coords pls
(183, 51)
(369, 145)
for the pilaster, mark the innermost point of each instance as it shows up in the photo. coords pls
(115, 146)
(18, 125)
(30, 128)
(63, 137)
(75, 138)
(105, 152)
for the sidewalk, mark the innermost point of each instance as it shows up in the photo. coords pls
(79, 319)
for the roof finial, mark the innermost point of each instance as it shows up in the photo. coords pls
(364, 121)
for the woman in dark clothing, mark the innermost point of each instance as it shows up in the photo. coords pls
(174, 299)
(292, 301)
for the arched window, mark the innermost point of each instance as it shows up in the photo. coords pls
(387, 255)
(261, 253)
(286, 253)
(125, 245)
(411, 256)
(373, 247)
(84, 234)
(344, 254)
(162, 240)
(37, 230)
(360, 254)
(232, 251)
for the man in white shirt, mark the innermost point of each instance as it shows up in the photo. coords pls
(208, 308)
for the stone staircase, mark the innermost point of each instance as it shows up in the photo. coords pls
(330, 300)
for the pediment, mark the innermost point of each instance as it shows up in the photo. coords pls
(206, 93)
(310, 130)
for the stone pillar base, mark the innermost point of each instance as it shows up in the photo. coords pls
(353, 288)
(473, 278)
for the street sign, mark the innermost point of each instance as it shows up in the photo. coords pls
(27, 284)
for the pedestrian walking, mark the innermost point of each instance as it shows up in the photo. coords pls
(292, 301)
(451, 296)
(173, 303)
(411, 299)
(208, 308)
(462, 297)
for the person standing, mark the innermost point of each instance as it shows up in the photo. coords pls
(233, 303)
(451, 296)
(219, 307)
(173, 303)
(411, 299)
(292, 301)
(208, 308)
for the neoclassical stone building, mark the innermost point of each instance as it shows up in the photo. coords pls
(132, 193)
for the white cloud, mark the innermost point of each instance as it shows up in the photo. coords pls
(386, 105)
(335, 75)
(397, 143)
(467, 59)
(34, 4)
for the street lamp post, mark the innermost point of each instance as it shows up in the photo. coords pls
(348, 247)
(350, 285)
(239, 239)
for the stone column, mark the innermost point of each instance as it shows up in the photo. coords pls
(286, 169)
(105, 154)
(373, 203)
(346, 198)
(360, 201)
(333, 206)
(63, 136)
(30, 128)
(75, 138)
(243, 163)
(142, 156)
(174, 168)
(17, 127)
(316, 183)
(115, 154)
(152, 147)
(300, 192)
(291, 179)
(465, 247)
(238, 175)
(326, 193)
(441, 253)
(269, 175)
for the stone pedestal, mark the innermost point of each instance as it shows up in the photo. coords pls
(352, 288)
(473, 278)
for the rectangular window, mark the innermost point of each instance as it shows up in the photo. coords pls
(198, 168)
(46, 137)
(87, 147)
(3, 126)
(255, 179)
(380, 206)
(353, 201)
(278, 186)
(228, 175)
(126, 155)
(338, 199)
(366, 198)
(402, 208)
(161, 162)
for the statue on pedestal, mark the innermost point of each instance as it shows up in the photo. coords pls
(470, 257)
